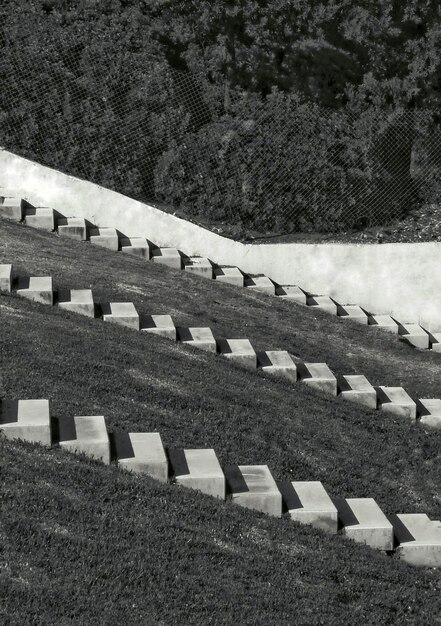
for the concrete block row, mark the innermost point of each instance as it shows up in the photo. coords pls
(355, 388)
(78, 228)
(416, 538)
(18, 209)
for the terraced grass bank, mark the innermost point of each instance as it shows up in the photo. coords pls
(269, 323)
(79, 228)
(355, 388)
(86, 543)
(145, 383)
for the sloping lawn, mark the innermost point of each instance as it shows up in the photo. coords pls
(87, 544)
(194, 399)
(270, 323)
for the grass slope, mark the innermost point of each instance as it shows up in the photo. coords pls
(150, 553)
(140, 382)
(87, 544)
(269, 322)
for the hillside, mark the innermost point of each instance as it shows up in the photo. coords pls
(270, 323)
(83, 543)
(168, 552)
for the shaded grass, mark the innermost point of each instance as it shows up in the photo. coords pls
(270, 323)
(86, 544)
(194, 399)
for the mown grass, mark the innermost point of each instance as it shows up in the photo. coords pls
(87, 544)
(270, 323)
(140, 382)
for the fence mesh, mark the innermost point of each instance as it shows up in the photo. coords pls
(273, 164)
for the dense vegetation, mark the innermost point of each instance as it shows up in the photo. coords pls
(231, 110)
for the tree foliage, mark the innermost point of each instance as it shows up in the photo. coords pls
(111, 91)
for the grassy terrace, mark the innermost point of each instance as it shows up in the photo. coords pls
(70, 525)
(270, 323)
(196, 399)
(140, 382)
(87, 544)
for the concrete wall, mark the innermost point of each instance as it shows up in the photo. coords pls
(399, 279)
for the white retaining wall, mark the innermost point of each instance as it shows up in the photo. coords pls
(396, 279)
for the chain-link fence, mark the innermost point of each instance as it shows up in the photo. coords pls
(272, 164)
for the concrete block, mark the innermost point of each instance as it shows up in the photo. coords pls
(415, 335)
(37, 288)
(122, 313)
(171, 257)
(199, 266)
(239, 350)
(159, 325)
(291, 292)
(397, 401)
(26, 419)
(86, 434)
(279, 363)
(261, 283)
(383, 321)
(429, 410)
(230, 275)
(357, 388)
(12, 208)
(198, 338)
(419, 539)
(142, 453)
(435, 342)
(104, 237)
(324, 303)
(319, 376)
(253, 487)
(40, 217)
(352, 312)
(6, 277)
(364, 522)
(198, 469)
(136, 246)
(72, 227)
(77, 300)
(308, 503)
